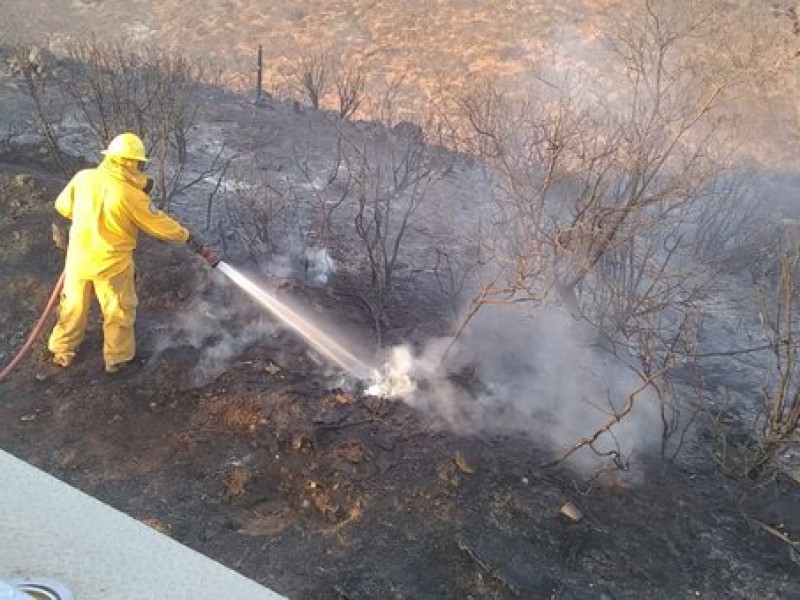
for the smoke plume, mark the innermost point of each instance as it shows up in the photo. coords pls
(218, 334)
(540, 377)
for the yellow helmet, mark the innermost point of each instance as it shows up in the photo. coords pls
(127, 145)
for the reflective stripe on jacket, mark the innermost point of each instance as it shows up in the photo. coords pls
(107, 207)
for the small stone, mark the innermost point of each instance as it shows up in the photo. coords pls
(68, 459)
(60, 237)
(341, 398)
(22, 179)
(157, 524)
(272, 369)
(462, 464)
(302, 442)
(447, 474)
(571, 513)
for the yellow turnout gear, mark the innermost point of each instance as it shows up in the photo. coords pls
(117, 298)
(107, 207)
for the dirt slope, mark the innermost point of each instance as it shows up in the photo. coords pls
(318, 493)
(259, 460)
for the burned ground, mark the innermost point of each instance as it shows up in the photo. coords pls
(317, 492)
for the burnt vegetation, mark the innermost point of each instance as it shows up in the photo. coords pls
(631, 214)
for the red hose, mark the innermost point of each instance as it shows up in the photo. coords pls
(51, 303)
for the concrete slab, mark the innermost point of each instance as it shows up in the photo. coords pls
(49, 529)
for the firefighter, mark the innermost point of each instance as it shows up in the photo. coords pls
(107, 205)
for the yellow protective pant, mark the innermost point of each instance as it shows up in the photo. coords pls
(117, 298)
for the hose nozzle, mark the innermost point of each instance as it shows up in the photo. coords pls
(208, 256)
(204, 251)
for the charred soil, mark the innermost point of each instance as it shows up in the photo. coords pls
(316, 492)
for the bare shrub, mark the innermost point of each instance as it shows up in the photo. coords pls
(116, 88)
(35, 66)
(113, 87)
(350, 81)
(312, 73)
(455, 270)
(328, 187)
(383, 102)
(780, 304)
(263, 213)
(605, 207)
(723, 225)
(391, 177)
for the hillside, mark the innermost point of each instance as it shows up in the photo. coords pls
(622, 223)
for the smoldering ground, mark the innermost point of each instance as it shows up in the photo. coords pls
(542, 377)
(215, 333)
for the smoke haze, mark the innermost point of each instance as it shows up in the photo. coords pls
(539, 377)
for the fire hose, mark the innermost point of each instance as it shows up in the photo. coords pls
(204, 251)
(22, 353)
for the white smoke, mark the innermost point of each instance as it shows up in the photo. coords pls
(319, 265)
(213, 330)
(541, 377)
(315, 264)
(396, 377)
(280, 265)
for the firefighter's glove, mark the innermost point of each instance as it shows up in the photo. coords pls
(197, 246)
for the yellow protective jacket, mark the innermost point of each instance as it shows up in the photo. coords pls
(107, 208)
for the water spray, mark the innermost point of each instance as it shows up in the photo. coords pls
(316, 337)
(393, 379)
